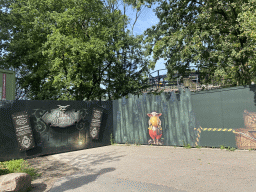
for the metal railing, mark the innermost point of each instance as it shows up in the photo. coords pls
(155, 81)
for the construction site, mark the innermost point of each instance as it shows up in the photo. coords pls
(191, 82)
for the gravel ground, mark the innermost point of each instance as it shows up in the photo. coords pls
(51, 170)
(178, 169)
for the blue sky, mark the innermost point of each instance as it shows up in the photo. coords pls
(147, 18)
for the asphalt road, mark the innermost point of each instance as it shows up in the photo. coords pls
(158, 168)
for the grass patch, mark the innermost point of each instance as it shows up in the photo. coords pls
(112, 140)
(187, 146)
(18, 166)
(228, 148)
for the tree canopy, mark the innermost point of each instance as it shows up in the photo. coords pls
(66, 49)
(67, 46)
(185, 27)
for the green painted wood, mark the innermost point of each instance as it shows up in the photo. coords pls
(10, 84)
(141, 122)
(216, 139)
(207, 106)
(129, 116)
(186, 119)
(164, 116)
(171, 136)
(178, 128)
(172, 129)
(223, 108)
(181, 113)
(137, 125)
(182, 118)
(115, 119)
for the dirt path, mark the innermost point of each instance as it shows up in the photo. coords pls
(51, 170)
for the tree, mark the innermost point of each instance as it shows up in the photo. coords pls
(247, 18)
(129, 57)
(184, 28)
(24, 46)
(65, 45)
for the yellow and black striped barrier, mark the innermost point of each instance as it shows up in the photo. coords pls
(210, 129)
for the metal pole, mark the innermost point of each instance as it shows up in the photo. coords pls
(152, 82)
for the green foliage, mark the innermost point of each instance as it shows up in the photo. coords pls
(67, 46)
(72, 47)
(112, 139)
(228, 148)
(18, 166)
(184, 28)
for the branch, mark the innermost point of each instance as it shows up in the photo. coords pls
(233, 10)
(135, 21)
(198, 3)
(227, 32)
(221, 12)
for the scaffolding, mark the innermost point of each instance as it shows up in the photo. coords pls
(191, 81)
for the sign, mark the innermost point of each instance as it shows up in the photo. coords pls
(4, 87)
(60, 118)
(23, 130)
(96, 122)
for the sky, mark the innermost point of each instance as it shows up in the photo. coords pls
(146, 19)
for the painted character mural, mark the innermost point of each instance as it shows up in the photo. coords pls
(155, 129)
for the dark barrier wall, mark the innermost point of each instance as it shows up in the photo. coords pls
(207, 118)
(226, 116)
(57, 126)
